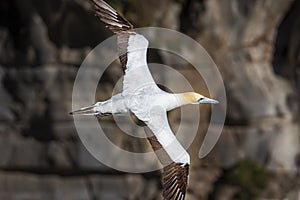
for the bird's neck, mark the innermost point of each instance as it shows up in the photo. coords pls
(187, 98)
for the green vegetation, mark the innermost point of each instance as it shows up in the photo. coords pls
(249, 176)
(181, 2)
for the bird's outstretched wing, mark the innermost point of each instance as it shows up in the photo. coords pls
(117, 24)
(173, 157)
(113, 20)
(175, 177)
(132, 48)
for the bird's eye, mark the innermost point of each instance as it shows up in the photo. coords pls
(200, 99)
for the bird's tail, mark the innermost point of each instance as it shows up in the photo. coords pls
(89, 110)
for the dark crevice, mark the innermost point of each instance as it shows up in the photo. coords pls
(286, 60)
(75, 172)
(90, 187)
(64, 172)
(40, 129)
(239, 117)
(191, 10)
(27, 24)
(245, 7)
(11, 86)
(235, 121)
(41, 126)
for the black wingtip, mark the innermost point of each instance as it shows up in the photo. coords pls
(111, 17)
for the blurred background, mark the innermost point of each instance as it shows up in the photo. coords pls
(256, 46)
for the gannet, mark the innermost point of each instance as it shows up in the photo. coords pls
(142, 97)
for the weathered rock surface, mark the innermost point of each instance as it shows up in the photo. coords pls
(15, 186)
(255, 45)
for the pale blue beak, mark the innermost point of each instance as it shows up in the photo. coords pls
(207, 100)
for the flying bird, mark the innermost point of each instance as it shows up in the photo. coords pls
(142, 97)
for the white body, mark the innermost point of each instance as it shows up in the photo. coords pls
(149, 103)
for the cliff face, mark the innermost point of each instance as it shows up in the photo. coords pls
(255, 45)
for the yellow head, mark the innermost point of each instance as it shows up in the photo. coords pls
(195, 98)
